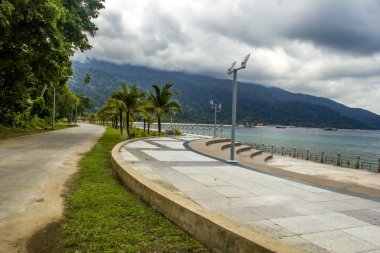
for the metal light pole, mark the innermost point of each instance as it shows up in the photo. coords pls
(54, 107)
(217, 108)
(233, 70)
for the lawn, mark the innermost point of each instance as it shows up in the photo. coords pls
(8, 132)
(102, 215)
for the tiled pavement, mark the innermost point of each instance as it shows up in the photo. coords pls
(312, 218)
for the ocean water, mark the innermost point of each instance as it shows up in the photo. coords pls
(349, 143)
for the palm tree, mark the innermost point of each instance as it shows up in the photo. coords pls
(148, 113)
(131, 98)
(108, 113)
(119, 107)
(162, 102)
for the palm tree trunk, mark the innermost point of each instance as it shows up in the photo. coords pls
(128, 132)
(121, 122)
(148, 128)
(159, 125)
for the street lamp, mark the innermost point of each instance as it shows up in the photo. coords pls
(233, 70)
(217, 108)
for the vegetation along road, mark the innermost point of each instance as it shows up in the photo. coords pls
(33, 173)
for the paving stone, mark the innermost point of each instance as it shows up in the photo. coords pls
(303, 244)
(336, 195)
(140, 145)
(229, 192)
(127, 156)
(271, 229)
(339, 241)
(169, 155)
(339, 220)
(275, 211)
(369, 234)
(302, 224)
(312, 197)
(267, 200)
(241, 214)
(171, 144)
(337, 205)
(366, 215)
(308, 208)
(363, 203)
(216, 205)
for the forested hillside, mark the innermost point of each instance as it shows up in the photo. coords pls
(256, 103)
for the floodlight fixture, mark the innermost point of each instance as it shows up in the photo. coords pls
(244, 62)
(231, 69)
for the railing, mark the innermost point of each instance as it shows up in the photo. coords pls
(320, 157)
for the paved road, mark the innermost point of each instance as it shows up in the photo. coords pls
(33, 170)
(312, 218)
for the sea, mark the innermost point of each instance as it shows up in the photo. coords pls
(349, 143)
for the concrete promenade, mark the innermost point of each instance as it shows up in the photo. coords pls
(306, 216)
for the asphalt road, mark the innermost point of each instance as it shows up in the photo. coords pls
(33, 172)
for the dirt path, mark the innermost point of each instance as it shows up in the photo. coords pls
(33, 173)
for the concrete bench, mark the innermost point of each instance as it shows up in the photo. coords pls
(216, 141)
(225, 146)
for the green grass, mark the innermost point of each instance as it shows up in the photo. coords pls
(103, 216)
(8, 132)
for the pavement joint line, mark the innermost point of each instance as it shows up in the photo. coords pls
(217, 200)
(354, 194)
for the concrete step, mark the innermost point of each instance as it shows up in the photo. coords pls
(217, 140)
(225, 146)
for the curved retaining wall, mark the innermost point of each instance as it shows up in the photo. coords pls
(216, 231)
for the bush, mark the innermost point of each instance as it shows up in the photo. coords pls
(177, 131)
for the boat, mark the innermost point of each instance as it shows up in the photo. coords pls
(330, 129)
(247, 124)
(279, 126)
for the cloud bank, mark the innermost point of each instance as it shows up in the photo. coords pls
(321, 47)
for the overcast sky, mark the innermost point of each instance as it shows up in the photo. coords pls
(319, 47)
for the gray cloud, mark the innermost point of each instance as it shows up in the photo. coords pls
(321, 47)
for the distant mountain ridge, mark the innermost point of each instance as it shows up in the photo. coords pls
(256, 103)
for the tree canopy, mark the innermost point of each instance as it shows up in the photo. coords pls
(37, 39)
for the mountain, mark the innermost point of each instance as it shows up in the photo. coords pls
(256, 103)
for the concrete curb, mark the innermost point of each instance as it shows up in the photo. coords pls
(216, 231)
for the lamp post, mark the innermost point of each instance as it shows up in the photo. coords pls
(217, 108)
(54, 107)
(233, 70)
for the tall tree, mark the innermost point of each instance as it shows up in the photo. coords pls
(162, 102)
(37, 39)
(118, 106)
(131, 98)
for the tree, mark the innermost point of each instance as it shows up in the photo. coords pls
(131, 98)
(162, 102)
(147, 111)
(37, 39)
(118, 106)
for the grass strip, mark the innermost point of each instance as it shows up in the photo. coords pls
(102, 215)
(8, 132)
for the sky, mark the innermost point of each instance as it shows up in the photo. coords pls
(318, 47)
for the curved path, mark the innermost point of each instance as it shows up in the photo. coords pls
(306, 216)
(33, 173)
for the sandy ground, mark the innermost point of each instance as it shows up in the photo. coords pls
(33, 172)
